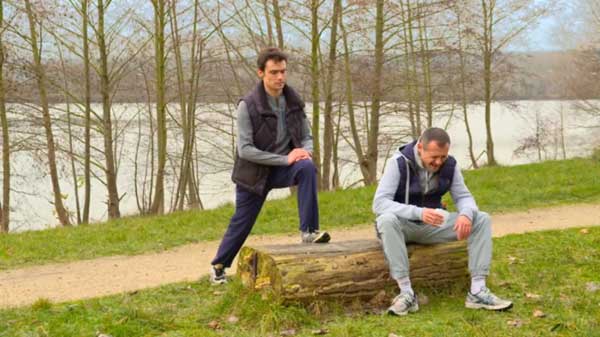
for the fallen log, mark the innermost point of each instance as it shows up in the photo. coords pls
(345, 270)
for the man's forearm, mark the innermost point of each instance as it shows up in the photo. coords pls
(246, 148)
(463, 199)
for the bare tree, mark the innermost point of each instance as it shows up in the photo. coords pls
(5, 206)
(315, 92)
(462, 56)
(107, 125)
(500, 22)
(376, 96)
(40, 74)
(84, 12)
(278, 25)
(160, 12)
(328, 142)
(188, 91)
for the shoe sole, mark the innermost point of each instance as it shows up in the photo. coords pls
(323, 238)
(217, 282)
(476, 306)
(402, 313)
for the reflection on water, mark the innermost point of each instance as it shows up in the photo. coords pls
(512, 125)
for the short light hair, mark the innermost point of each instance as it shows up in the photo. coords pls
(440, 136)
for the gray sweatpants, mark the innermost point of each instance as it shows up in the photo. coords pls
(395, 232)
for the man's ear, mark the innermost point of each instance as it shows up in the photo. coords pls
(420, 146)
(260, 73)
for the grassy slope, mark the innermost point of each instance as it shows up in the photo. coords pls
(496, 189)
(561, 267)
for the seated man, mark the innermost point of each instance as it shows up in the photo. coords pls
(408, 208)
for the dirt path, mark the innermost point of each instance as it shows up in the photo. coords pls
(111, 275)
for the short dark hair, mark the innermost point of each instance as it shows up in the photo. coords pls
(270, 53)
(440, 136)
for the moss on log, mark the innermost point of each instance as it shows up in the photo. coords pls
(345, 270)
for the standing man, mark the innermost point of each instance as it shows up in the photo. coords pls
(274, 149)
(409, 209)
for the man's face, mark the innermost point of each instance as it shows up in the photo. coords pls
(432, 155)
(274, 75)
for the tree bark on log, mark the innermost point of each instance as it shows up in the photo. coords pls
(347, 270)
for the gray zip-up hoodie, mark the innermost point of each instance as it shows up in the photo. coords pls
(383, 202)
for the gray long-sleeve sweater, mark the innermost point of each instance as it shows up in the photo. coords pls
(248, 151)
(383, 202)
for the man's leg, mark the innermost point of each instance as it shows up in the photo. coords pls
(480, 256)
(479, 242)
(247, 207)
(394, 233)
(304, 174)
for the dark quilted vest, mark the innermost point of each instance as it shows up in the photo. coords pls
(433, 199)
(252, 176)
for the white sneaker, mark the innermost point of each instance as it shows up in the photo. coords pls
(485, 299)
(315, 237)
(217, 274)
(403, 304)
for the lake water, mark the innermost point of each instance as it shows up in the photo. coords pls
(32, 207)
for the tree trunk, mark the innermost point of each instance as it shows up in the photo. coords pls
(562, 133)
(88, 113)
(105, 89)
(265, 4)
(357, 145)
(463, 90)
(413, 70)
(426, 65)
(70, 134)
(40, 74)
(278, 26)
(161, 123)
(5, 206)
(315, 88)
(328, 113)
(346, 271)
(407, 73)
(373, 136)
(487, 78)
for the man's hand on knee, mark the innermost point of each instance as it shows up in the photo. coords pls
(462, 227)
(297, 154)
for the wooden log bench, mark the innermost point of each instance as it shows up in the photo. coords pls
(346, 270)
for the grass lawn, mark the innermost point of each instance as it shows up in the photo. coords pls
(554, 272)
(497, 189)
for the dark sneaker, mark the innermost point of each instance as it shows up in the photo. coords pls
(315, 237)
(403, 304)
(217, 274)
(485, 299)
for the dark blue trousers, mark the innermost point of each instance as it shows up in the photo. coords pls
(247, 206)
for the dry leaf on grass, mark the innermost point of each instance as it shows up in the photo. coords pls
(532, 296)
(214, 325)
(517, 323)
(584, 231)
(288, 332)
(538, 313)
(233, 319)
(320, 332)
(592, 286)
